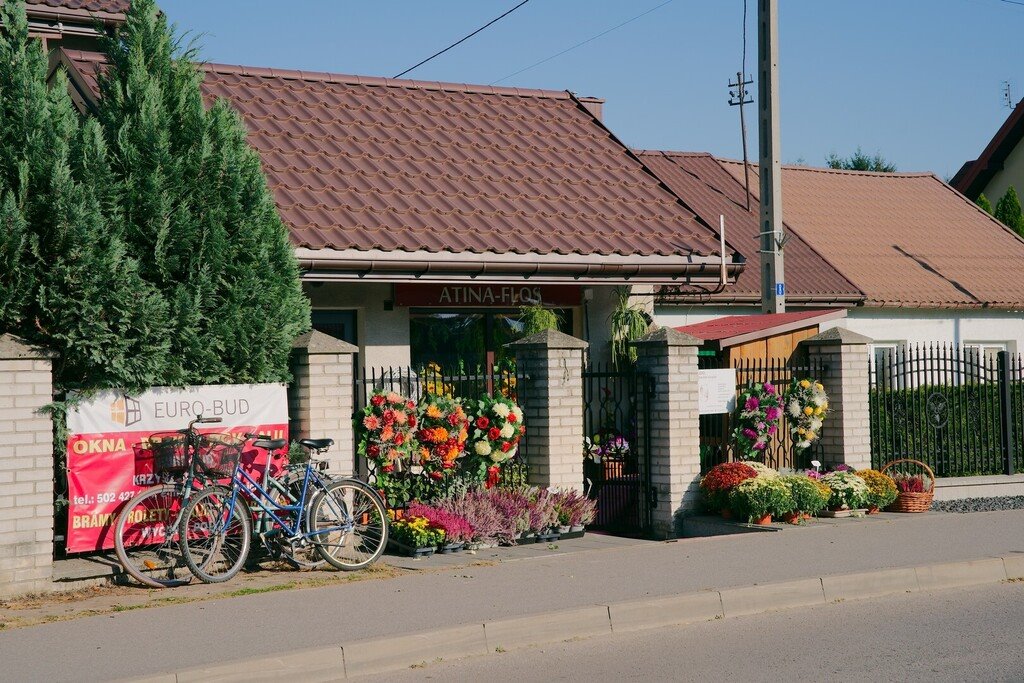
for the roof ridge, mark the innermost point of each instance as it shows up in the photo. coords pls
(380, 81)
(671, 153)
(843, 171)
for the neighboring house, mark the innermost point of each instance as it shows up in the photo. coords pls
(1001, 164)
(72, 24)
(909, 257)
(425, 214)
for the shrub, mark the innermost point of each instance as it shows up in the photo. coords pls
(848, 490)
(882, 489)
(809, 496)
(723, 478)
(758, 497)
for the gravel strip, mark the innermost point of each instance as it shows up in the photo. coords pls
(980, 504)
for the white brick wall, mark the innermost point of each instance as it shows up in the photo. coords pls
(26, 471)
(847, 434)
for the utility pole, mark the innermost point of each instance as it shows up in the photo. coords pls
(737, 98)
(773, 283)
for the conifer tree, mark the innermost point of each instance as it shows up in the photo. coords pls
(984, 204)
(197, 210)
(79, 293)
(1008, 211)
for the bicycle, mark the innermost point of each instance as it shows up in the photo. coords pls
(344, 520)
(145, 550)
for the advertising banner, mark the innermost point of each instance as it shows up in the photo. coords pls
(107, 459)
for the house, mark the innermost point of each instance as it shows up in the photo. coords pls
(72, 23)
(425, 214)
(909, 258)
(1000, 165)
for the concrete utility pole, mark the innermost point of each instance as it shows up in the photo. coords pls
(773, 287)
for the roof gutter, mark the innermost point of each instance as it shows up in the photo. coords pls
(827, 300)
(327, 265)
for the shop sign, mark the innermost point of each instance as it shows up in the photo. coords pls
(487, 296)
(106, 456)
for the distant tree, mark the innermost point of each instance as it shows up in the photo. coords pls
(984, 204)
(1008, 211)
(859, 161)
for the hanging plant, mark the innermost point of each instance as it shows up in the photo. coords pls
(757, 414)
(628, 323)
(806, 407)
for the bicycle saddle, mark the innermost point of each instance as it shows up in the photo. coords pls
(270, 444)
(317, 444)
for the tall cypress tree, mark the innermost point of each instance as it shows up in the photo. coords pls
(984, 204)
(79, 293)
(1008, 211)
(197, 209)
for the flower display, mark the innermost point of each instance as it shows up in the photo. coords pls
(759, 408)
(496, 429)
(432, 377)
(606, 444)
(417, 532)
(721, 479)
(457, 528)
(755, 498)
(806, 408)
(848, 490)
(882, 488)
(763, 471)
(809, 496)
(385, 438)
(441, 435)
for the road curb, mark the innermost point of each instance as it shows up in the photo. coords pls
(379, 655)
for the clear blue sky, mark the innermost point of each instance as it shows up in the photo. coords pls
(917, 80)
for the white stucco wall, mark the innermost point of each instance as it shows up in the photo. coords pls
(383, 336)
(1012, 173)
(905, 325)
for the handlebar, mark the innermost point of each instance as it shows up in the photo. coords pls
(207, 420)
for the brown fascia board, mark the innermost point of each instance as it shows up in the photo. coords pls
(971, 180)
(696, 298)
(728, 342)
(329, 265)
(78, 16)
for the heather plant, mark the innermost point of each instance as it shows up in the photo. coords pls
(477, 508)
(543, 514)
(514, 507)
(457, 529)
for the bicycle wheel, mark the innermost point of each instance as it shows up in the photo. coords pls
(348, 523)
(148, 553)
(215, 535)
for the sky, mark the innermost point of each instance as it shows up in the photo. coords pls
(918, 81)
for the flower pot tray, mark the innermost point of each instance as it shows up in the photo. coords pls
(450, 548)
(843, 513)
(548, 537)
(568, 535)
(410, 551)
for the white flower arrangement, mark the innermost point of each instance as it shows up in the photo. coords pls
(807, 407)
(763, 471)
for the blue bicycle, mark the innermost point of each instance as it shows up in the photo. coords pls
(344, 521)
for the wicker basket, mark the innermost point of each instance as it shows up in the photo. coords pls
(913, 502)
(220, 453)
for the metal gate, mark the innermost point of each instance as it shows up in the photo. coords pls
(957, 408)
(616, 449)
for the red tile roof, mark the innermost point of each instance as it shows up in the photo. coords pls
(79, 7)
(711, 191)
(905, 239)
(360, 163)
(748, 327)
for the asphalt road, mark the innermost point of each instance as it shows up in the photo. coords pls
(142, 642)
(958, 635)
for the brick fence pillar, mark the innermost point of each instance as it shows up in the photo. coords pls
(670, 357)
(846, 434)
(320, 396)
(553, 407)
(26, 469)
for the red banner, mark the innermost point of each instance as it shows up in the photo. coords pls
(109, 461)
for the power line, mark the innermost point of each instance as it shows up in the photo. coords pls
(462, 40)
(581, 43)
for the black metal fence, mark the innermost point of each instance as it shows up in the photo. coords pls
(716, 445)
(953, 407)
(616, 448)
(470, 387)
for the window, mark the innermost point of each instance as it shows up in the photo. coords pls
(338, 324)
(884, 370)
(986, 352)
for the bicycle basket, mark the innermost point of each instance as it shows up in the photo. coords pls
(168, 450)
(219, 453)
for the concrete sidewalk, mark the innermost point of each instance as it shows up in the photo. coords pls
(218, 631)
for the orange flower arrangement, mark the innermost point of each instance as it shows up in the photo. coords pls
(444, 428)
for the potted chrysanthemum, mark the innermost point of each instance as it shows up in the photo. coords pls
(849, 493)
